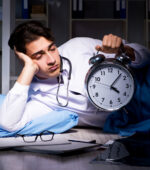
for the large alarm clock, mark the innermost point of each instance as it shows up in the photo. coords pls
(109, 82)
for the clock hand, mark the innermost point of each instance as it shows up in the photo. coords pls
(115, 89)
(103, 84)
(115, 81)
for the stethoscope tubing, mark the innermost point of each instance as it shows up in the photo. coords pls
(59, 81)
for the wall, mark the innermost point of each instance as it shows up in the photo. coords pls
(59, 18)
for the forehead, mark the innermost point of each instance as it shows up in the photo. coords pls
(37, 45)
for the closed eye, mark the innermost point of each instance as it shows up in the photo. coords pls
(38, 55)
(52, 47)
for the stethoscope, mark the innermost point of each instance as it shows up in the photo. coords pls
(59, 81)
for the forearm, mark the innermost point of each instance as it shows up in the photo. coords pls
(141, 54)
(26, 76)
(13, 106)
(129, 52)
(29, 70)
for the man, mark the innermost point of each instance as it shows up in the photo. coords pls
(36, 91)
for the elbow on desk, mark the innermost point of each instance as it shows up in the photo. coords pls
(8, 121)
(7, 126)
(4, 126)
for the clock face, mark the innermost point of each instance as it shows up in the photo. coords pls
(110, 86)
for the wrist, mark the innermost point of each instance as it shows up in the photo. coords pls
(27, 74)
(31, 67)
(128, 51)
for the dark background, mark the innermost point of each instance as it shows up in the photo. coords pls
(97, 18)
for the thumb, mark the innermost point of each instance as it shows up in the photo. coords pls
(99, 48)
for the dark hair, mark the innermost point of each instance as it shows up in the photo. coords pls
(26, 33)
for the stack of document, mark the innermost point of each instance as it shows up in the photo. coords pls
(9, 142)
(58, 145)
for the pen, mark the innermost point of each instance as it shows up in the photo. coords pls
(81, 141)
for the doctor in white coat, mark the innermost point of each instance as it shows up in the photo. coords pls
(53, 78)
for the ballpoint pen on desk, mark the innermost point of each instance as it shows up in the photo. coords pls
(83, 141)
(105, 145)
(100, 146)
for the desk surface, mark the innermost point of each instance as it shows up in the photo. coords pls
(78, 161)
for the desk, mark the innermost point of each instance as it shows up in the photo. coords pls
(13, 160)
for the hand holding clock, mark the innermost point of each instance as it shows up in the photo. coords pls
(110, 44)
(113, 44)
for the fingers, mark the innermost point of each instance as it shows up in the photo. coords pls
(111, 41)
(110, 44)
(22, 56)
(98, 48)
(17, 52)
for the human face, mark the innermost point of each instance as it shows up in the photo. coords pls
(46, 56)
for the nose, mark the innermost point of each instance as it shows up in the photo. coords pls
(50, 58)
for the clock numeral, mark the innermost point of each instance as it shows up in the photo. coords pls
(97, 79)
(93, 86)
(124, 93)
(127, 86)
(96, 94)
(110, 69)
(102, 73)
(124, 77)
(110, 102)
(118, 99)
(118, 71)
(103, 99)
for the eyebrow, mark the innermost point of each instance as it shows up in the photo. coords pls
(41, 51)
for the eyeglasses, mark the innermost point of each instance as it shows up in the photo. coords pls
(45, 136)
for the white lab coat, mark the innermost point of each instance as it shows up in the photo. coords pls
(24, 103)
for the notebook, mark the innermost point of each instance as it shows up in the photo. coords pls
(60, 148)
(8, 142)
